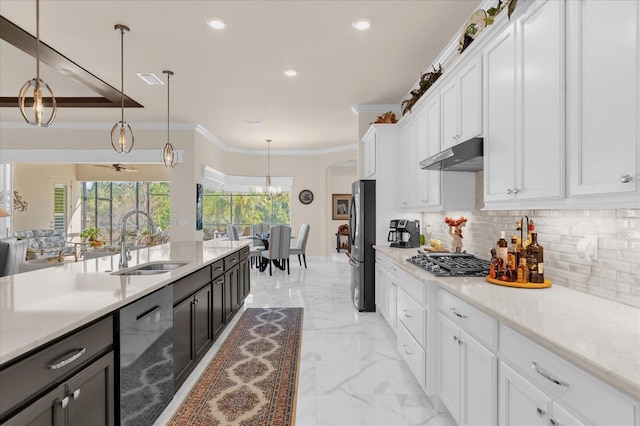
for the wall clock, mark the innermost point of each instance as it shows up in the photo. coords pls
(305, 196)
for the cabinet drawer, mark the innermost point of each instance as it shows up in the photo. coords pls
(231, 260)
(188, 285)
(23, 380)
(411, 315)
(383, 261)
(244, 252)
(412, 353)
(412, 287)
(478, 324)
(217, 269)
(585, 395)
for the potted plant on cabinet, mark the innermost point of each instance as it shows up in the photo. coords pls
(93, 236)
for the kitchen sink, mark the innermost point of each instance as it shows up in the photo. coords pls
(151, 268)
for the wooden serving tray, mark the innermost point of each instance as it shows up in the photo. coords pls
(545, 284)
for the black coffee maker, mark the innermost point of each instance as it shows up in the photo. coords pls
(404, 233)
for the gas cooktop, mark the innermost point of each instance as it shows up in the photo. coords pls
(451, 264)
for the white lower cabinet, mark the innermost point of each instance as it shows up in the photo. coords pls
(386, 289)
(468, 376)
(573, 396)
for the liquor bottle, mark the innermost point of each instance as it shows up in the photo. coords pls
(531, 229)
(493, 266)
(512, 253)
(510, 274)
(535, 259)
(501, 248)
(523, 271)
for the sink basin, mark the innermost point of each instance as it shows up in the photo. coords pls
(151, 268)
(163, 266)
(141, 272)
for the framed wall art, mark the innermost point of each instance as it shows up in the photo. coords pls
(305, 196)
(199, 207)
(340, 206)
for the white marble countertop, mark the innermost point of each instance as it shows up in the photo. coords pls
(599, 335)
(39, 306)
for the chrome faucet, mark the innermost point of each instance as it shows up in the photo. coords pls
(125, 254)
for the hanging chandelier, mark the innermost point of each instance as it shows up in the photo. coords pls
(119, 140)
(270, 189)
(37, 84)
(169, 154)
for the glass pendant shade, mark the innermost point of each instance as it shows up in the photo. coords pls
(32, 107)
(122, 138)
(169, 154)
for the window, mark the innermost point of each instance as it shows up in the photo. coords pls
(104, 204)
(60, 207)
(242, 210)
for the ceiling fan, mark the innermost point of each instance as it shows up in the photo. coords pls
(118, 167)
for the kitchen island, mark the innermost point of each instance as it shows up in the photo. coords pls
(563, 327)
(70, 310)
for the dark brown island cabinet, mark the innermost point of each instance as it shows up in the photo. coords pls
(204, 303)
(71, 381)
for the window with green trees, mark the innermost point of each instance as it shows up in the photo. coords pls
(242, 210)
(104, 204)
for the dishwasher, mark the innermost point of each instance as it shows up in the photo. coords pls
(145, 373)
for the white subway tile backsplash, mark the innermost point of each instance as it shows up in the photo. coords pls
(615, 275)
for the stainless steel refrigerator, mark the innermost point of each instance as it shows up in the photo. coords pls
(362, 236)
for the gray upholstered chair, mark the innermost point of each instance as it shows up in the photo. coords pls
(12, 253)
(279, 240)
(301, 244)
(232, 233)
(254, 253)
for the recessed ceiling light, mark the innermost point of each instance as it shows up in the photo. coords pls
(361, 24)
(291, 72)
(216, 23)
(253, 123)
(150, 78)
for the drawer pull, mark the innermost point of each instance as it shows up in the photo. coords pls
(64, 402)
(407, 313)
(546, 375)
(456, 313)
(234, 260)
(540, 411)
(406, 350)
(554, 422)
(218, 268)
(66, 361)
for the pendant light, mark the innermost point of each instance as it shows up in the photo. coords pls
(119, 138)
(169, 154)
(37, 84)
(271, 190)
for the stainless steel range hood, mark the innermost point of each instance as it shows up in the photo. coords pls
(464, 157)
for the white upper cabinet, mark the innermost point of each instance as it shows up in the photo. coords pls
(461, 100)
(524, 107)
(408, 166)
(602, 99)
(369, 155)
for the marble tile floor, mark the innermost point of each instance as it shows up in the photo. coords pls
(350, 370)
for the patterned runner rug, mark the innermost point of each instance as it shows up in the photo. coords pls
(253, 378)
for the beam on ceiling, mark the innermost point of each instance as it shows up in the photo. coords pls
(110, 97)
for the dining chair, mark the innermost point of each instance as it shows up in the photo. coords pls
(258, 246)
(232, 233)
(279, 240)
(301, 244)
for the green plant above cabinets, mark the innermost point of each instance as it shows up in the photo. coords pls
(426, 81)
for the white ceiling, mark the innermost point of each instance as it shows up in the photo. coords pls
(224, 78)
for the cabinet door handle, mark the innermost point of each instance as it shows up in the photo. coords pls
(458, 314)
(64, 402)
(76, 394)
(554, 422)
(516, 190)
(219, 281)
(457, 339)
(407, 313)
(541, 411)
(406, 350)
(69, 360)
(509, 191)
(625, 178)
(540, 371)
